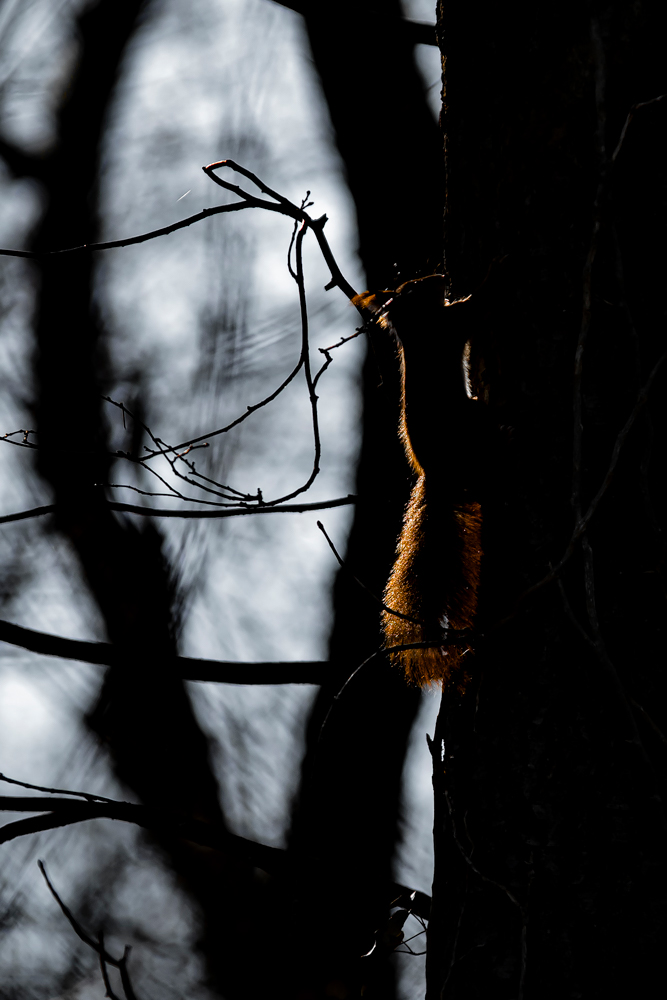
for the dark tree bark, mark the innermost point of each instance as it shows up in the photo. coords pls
(549, 773)
(144, 714)
(345, 826)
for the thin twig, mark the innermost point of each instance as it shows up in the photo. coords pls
(642, 399)
(418, 934)
(24, 443)
(88, 796)
(598, 647)
(129, 508)
(353, 336)
(597, 639)
(468, 859)
(390, 611)
(233, 495)
(97, 946)
(233, 423)
(303, 221)
(133, 240)
(605, 173)
(304, 361)
(105, 975)
(386, 650)
(286, 207)
(640, 403)
(503, 888)
(459, 924)
(631, 114)
(656, 729)
(125, 975)
(567, 607)
(71, 919)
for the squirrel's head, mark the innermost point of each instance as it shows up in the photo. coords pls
(414, 305)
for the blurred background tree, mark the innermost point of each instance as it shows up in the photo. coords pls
(109, 110)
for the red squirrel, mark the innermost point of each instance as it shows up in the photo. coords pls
(435, 578)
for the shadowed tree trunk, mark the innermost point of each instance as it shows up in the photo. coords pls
(143, 715)
(345, 826)
(549, 773)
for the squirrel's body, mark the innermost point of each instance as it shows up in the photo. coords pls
(435, 578)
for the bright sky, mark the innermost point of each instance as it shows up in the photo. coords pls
(205, 322)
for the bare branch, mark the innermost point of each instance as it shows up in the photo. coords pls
(129, 508)
(168, 449)
(176, 454)
(191, 668)
(385, 607)
(23, 443)
(344, 340)
(59, 812)
(97, 946)
(76, 927)
(188, 668)
(631, 114)
(88, 796)
(285, 207)
(305, 361)
(582, 521)
(23, 515)
(132, 240)
(272, 860)
(656, 729)
(105, 975)
(640, 403)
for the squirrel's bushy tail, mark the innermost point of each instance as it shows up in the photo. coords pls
(434, 582)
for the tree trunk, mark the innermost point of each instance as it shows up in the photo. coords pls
(549, 772)
(144, 715)
(346, 824)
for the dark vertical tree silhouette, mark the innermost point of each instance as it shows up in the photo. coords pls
(346, 823)
(549, 773)
(143, 715)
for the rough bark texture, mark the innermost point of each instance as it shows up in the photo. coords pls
(549, 774)
(144, 715)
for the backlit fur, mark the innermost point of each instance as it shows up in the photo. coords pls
(435, 579)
